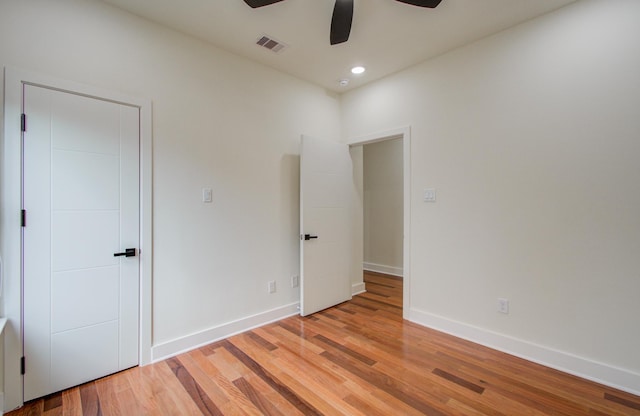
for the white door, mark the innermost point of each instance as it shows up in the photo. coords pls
(81, 197)
(325, 228)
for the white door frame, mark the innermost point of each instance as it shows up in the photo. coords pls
(10, 203)
(403, 133)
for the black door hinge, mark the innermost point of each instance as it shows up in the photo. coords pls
(23, 366)
(23, 218)
(23, 122)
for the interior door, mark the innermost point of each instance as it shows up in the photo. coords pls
(81, 198)
(325, 229)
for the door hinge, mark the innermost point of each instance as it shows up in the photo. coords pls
(23, 366)
(23, 218)
(23, 122)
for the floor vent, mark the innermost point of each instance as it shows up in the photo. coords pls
(271, 44)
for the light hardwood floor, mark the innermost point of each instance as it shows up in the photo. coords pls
(358, 358)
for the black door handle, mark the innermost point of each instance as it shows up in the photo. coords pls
(129, 252)
(309, 237)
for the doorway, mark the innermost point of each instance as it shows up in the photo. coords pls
(384, 160)
(382, 220)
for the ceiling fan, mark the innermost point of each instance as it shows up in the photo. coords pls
(343, 15)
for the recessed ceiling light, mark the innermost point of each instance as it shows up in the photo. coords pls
(357, 70)
(343, 82)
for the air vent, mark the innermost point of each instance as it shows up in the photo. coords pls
(271, 44)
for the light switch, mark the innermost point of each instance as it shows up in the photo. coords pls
(207, 195)
(430, 195)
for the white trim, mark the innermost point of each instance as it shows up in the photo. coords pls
(381, 268)
(10, 241)
(572, 364)
(146, 231)
(187, 343)
(405, 134)
(3, 322)
(357, 288)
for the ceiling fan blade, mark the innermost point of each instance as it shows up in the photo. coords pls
(260, 3)
(341, 21)
(422, 3)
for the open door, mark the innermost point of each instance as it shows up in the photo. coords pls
(325, 226)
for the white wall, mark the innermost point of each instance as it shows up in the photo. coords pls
(383, 210)
(219, 121)
(531, 138)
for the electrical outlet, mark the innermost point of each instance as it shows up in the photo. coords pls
(295, 281)
(503, 305)
(429, 195)
(272, 286)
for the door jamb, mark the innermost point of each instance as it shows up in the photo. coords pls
(10, 194)
(403, 133)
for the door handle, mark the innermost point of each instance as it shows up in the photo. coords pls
(309, 237)
(129, 252)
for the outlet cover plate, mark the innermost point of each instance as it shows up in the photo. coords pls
(429, 195)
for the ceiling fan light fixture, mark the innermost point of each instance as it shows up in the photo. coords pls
(343, 15)
(357, 70)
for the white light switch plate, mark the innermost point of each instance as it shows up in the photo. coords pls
(207, 195)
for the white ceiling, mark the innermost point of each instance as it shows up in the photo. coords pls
(386, 35)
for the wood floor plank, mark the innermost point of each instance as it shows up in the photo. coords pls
(265, 406)
(107, 396)
(305, 360)
(631, 404)
(167, 391)
(345, 350)
(33, 408)
(323, 400)
(383, 382)
(234, 402)
(254, 388)
(261, 341)
(204, 380)
(71, 402)
(52, 402)
(328, 390)
(269, 379)
(198, 395)
(362, 393)
(129, 403)
(90, 401)
(459, 380)
(357, 358)
(144, 400)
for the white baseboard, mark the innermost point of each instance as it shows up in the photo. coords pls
(187, 343)
(357, 288)
(381, 268)
(578, 366)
